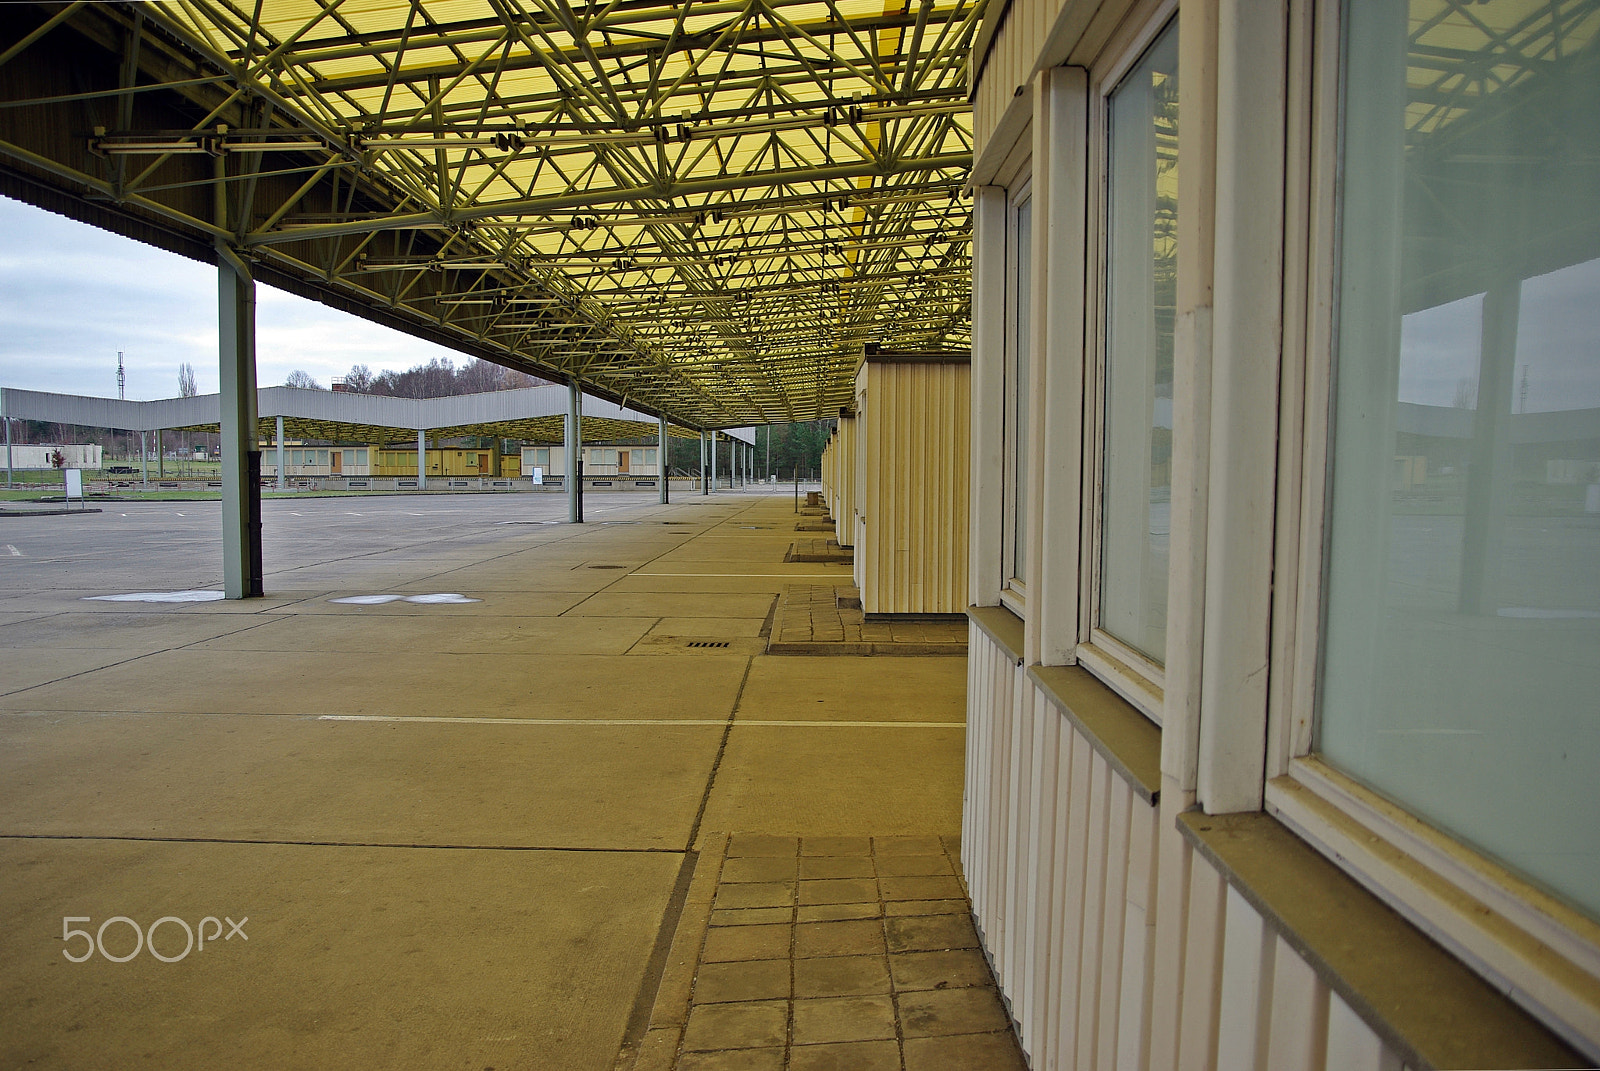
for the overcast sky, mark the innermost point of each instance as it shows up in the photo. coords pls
(72, 295)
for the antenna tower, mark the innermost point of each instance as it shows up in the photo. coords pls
(122, 378)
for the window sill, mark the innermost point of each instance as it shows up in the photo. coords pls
(1522, 940)
(1000, 625)
(1426, 1005)
(1127, 739)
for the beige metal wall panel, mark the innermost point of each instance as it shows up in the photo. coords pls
(830, 480)
(844, 516)
(1060, 858)
(913, 441)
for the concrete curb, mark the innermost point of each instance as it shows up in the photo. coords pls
(658, 1050)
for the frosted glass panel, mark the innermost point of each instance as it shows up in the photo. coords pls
(1141, 270)
(1462, 643)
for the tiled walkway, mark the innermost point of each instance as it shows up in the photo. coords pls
(810, 619)
(827, 954)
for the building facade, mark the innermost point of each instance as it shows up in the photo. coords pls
(1285, 535)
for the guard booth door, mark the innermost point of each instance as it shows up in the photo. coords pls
(335, 462)
(622, 462)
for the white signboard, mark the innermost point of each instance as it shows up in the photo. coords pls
(538, 476)
(74, 484)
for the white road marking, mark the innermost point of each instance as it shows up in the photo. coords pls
(379, 600)
(13, 551)
(159, 596)
(737, 722)
(759, 576)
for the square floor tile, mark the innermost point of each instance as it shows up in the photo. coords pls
(839, 891)
(756, 894)
(756, 916)
(846, 1056)
(937, 1012)
(839, 912)
(733, 1060)
(937, 887)
(744, 980)
(931, 933)
(752, 1025)
(863, 937)
(835, 866)
(927, 907)
(747, 844)
(967, 1052)
(843, 1019)
(761, 868)
(841, 976)
(727, 943)
(953, 969)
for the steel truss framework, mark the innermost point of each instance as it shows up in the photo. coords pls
(707, 209)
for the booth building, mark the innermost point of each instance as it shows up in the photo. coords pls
(1286, 639)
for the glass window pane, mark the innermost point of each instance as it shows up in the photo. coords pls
(1141, 292)
(1017, 374)
(1462, 640)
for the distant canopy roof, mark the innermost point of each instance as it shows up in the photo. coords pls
(532, 414)
(706, 207)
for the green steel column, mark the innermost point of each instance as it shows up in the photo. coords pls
(574, 477)
(279, 441)
(422, 460)
(241, 460)
(661, 457)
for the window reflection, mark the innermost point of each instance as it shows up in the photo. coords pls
(1462, 641)
(1142, 273)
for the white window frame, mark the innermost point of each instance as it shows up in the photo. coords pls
(1501, 925)
(1132, 675)
(1013, 584)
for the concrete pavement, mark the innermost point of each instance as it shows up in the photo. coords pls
(461, 832)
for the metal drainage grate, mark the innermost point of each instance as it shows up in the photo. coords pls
(708, 643)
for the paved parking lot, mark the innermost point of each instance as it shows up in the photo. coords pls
(461, 831)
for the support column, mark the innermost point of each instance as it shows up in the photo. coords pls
(161, 458)
(279, 443)
(705, 485)
(144, 460)
(422, 460)
(661, 457)
(8, 451)
(241, 460)
(574, 477)
(713, 438)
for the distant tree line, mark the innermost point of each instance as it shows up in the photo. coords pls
(439, 378)
(793, 446)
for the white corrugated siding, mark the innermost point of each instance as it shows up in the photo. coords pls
(1013, 55)
(1060, 857)
(912, 441)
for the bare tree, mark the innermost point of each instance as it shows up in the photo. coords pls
(302, 380)
(359, 379)
(186, 383)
